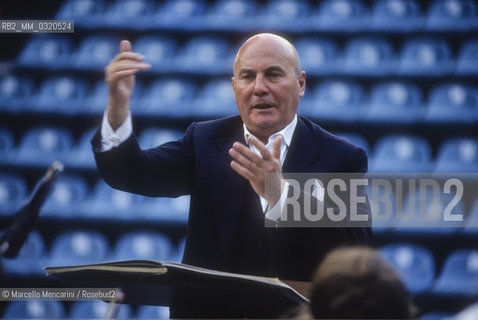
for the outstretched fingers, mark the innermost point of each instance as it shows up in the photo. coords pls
(244, 156)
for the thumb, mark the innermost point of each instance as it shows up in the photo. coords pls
(276, 147)
(125, 46)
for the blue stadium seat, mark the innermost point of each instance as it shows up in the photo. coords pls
(78, 247)
(165, 210)
(231, 15)
(284, 14)
(205, 55)
(397, 15)
(7, 143)
(135, 14)
(467, 62)
(446, 15)
(153, 137)
(168, 97)
(41, 146)
(97, 100)
(67, 198)
(414, 264)
(401, 153)
(159, 52)
(30, 259)
(369, 56)
(396, 101)
(458, 155)
(336, 100)
(16, 93)
(459, 274)
(143, 245)
(109, 203)
(96, 51)
(426, 56)
(471, 222)
(180, 14)
(215, 100)
(62, 94)
(383, 206)
(44, 51)
(34, 309)
(453, 103)
(318, 56)
(82, 156)
(430, 211)
(153, 312)
(343, 15)
(85, 13)
(13, 193)
(98, 309)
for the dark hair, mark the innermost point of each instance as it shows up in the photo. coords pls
(356, 282)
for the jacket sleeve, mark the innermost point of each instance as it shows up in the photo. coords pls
(165, 170)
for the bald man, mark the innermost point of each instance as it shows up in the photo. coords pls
(223, 165)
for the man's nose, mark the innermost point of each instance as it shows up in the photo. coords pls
(260, 86)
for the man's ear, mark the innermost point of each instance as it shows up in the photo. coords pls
(302, 83)
(233, 88)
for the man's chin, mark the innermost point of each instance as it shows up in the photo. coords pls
(266, 126)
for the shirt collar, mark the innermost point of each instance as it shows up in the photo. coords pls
(286, 132)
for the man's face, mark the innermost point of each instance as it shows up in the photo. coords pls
(266, 86)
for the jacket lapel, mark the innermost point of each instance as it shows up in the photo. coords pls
(303, 154)
(227, 186)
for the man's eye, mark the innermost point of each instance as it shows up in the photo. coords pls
(246, 77)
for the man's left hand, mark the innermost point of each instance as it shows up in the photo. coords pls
(255, 169)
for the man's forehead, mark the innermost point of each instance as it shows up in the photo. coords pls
(266, 68)
(266, 47)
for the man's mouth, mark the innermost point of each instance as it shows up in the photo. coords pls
(263, 106)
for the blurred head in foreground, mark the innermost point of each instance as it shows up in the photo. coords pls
(357, 283)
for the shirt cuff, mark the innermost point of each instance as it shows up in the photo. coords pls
(112, 138)
(275, 212)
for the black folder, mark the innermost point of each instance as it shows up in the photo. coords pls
(202, 292)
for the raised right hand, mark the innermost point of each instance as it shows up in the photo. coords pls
(120, 76)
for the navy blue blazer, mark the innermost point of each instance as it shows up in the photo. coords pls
(198, 164)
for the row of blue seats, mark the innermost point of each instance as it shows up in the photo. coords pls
(402, 211)
(417, 267)
(97, 309)
(40, 146)
(286, 15)
(332, 99)
(420, 212)
(73, 199)
(414, 263)
(85, 247)
(206, 54)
